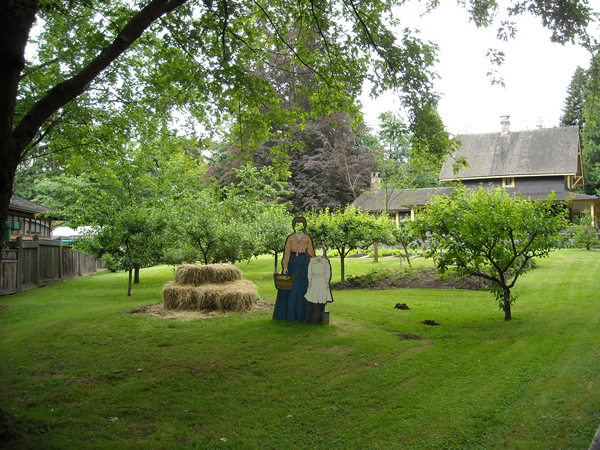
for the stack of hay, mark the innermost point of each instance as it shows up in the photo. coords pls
(212, 286)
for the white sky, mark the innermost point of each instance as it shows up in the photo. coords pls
(536, 72)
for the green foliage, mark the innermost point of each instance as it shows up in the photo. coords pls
(346, 229)
(491, 234)
(127, 201)
(412, 158)
(582, 108)
(585, 234)
(99, 71)
(404, 234)
(574, 103)
(232, 224)
(274, 227)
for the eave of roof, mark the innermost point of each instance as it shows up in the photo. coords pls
(373, 201)
(26, 206)
(397, 199)
(514, 175)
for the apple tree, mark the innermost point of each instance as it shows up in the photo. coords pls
(491, 234)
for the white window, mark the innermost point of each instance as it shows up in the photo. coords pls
(508, 182)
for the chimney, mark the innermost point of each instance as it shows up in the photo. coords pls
(504, 125)
(375, 180)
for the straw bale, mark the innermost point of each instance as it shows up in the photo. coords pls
(197, 275)
(239, 295)
(179, 296)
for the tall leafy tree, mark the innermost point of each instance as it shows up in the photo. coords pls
(330, 165)
(333, 168)
(98, 59)
(407, 161)
(582, 108)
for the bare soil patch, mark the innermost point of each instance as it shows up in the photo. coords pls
(413, 279)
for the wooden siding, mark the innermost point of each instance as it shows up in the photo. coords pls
(31, 264)
(524, 184)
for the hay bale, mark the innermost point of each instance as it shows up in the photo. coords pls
(197, 275)
(179, 296)
(238, 295)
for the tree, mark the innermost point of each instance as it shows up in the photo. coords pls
(332, 168)
(230, 224)
(585, 234)
(573, 106)
(404, 234)
(406, 161)
(195, 229)
(488, 233)
(590, 134)
(127, 201)
(199, 58)
(274, 226)
(132, 236)
(346, 229)
(327, 163)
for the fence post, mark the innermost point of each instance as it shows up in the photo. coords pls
(19, 283)
(61, 271)
(38, 263)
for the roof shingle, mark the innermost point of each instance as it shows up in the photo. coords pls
(550, 151)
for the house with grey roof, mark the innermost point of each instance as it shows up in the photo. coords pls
(533, 163)
(23, 220)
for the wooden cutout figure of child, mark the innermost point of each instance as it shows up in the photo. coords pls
(319, 288)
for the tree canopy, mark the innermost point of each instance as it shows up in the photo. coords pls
(101, 69)
(582, 108)
(346, 229)
(492, 234)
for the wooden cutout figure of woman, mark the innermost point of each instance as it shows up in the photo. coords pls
(291, 305)
(319, 284)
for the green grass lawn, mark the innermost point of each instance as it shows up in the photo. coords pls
(78, 371)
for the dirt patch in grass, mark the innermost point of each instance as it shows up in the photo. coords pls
(408, 336)
(158, 310)
(414, 279)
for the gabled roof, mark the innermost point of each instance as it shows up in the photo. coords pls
(22, 205)
(550, 151)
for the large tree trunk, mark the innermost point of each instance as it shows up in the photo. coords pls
(16, 20)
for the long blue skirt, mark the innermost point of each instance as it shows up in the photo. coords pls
(291, 305)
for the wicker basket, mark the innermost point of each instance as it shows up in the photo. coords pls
(283, 282)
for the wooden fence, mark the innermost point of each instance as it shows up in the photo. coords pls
(31, 264)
